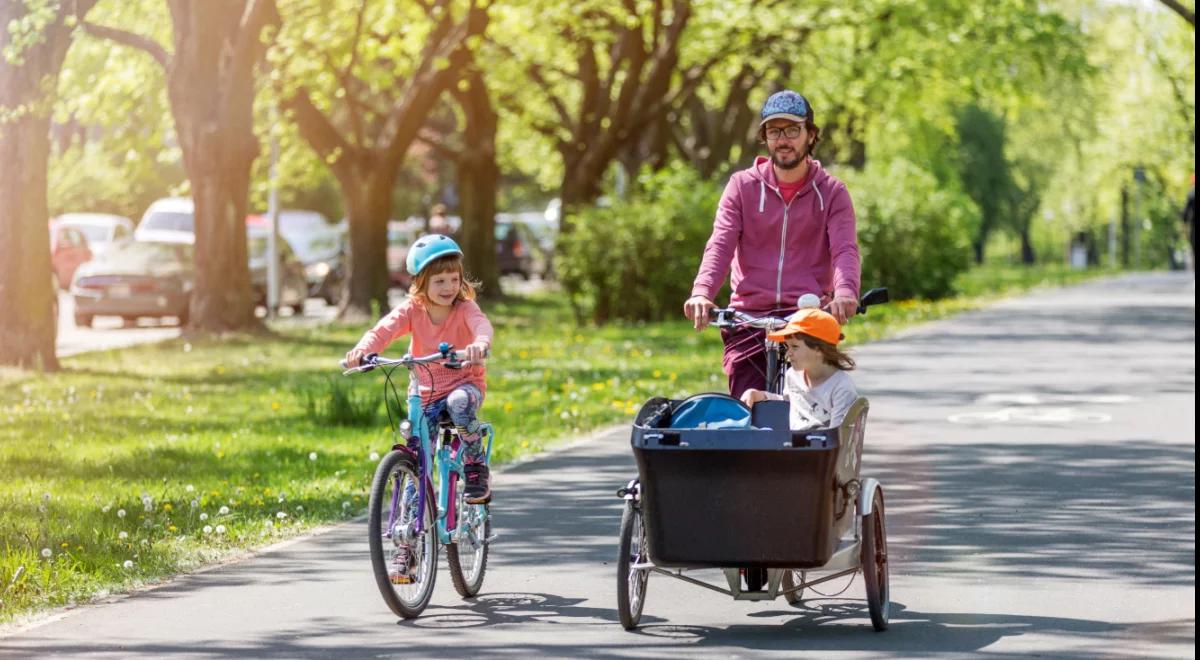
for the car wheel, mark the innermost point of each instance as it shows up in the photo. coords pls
(83, 320)
(298, 309)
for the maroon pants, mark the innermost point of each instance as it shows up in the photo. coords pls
(745, 361)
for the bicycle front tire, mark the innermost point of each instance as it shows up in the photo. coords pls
(395, 472)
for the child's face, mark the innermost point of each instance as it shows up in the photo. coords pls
(444, 287)
(800, 355)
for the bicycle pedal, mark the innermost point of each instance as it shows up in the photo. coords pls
(400, 579)
(491, 538)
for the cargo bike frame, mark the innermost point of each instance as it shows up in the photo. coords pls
(777, 511)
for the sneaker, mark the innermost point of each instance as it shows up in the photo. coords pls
(477, 489)
(400, 572)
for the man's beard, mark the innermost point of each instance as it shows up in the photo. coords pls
(797, 157)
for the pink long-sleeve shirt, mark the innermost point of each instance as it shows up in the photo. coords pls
(466, 324)
(779, 251)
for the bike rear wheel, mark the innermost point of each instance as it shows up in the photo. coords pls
(392, 521)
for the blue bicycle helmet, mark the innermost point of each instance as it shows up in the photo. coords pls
(427, 248)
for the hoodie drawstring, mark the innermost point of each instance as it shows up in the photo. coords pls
(820, 197)
(762, 194)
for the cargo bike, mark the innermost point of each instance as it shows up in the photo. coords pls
(777, 511)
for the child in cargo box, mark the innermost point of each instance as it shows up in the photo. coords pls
(816, 384)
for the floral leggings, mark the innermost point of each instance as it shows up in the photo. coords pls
(461, 404)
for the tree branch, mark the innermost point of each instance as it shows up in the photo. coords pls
(1187, 14)
(133, 40)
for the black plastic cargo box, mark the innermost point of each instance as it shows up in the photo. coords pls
(761, 497)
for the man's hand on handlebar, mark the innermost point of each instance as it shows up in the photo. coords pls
(842, 308)
(697, 308)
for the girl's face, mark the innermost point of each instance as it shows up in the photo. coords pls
(801, 356)
(443, 288)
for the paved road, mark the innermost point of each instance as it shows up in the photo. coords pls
(1058, 521)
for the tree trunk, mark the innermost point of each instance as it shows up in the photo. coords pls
(1028, 256)
(28, 303)
(368, 200)
(210, 82)
(478, 180)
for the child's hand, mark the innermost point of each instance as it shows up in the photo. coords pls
(476, 352)
(354, 356)
(752, 396)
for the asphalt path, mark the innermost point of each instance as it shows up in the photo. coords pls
(1038, 458)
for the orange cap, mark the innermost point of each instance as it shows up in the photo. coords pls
(812, 322)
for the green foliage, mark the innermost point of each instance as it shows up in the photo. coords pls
(339, 402)
(915, 235)
(636, 259)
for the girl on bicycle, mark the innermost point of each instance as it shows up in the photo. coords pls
(440, 308)
(816, 383)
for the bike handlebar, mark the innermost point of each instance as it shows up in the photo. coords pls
(450, 358)
(728, 317)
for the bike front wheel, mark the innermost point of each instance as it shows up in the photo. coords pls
(631, 582)
(396, 542)
(468, 556)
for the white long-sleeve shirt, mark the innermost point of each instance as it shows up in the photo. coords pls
(820, 407)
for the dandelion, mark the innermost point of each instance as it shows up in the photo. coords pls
(194, 503)
(120, 513)
(46, 497)
(128, 564)
(345, 505)
(106, 508)
(168, 508)
(220, 529)
(190, 488)
(123, 535)
(203, 516)
(312, 455)
(46, 553)
(208, 529)
(64, 545)
(223, 511)
(300, 508)
(374, 456)
(187, 348)
(172, 528)
(281, 515)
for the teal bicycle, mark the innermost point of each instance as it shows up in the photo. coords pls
(417, 497)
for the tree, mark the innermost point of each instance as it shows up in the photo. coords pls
(210, 82)
(477, 171)
(34, 38)
(1177, 7)
(360, 93)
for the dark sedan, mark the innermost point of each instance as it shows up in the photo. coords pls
(135, 279)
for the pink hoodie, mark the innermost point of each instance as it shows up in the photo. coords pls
(779, 252)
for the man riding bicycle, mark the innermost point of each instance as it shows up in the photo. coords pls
(786, 227)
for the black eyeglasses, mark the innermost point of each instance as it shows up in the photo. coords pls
(790, 132)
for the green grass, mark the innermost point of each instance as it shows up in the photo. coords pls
(129, 466)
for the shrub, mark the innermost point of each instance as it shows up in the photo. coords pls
(914, 235)
(636, 259)
(342, 403)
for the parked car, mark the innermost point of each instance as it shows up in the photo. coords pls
(135, 279)
(542, 234)
(293, 286)
(68, 250)
(319, 244)
(169, 220)
(401, 235)
(517, 250)
(102, 230)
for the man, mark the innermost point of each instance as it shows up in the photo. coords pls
(786, 226)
